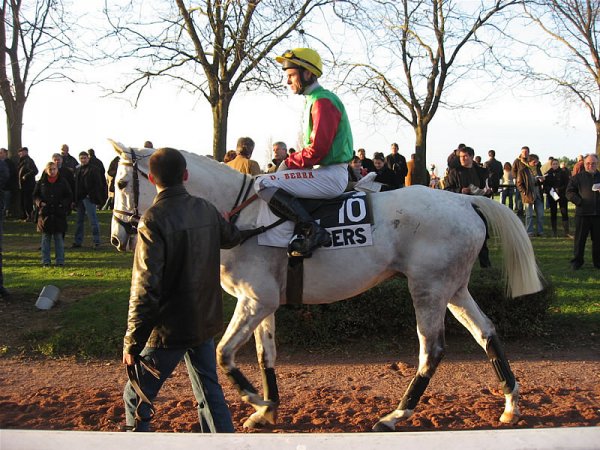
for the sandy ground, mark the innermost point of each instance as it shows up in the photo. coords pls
(335, 391)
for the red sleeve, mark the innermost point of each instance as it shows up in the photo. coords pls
(325, 118)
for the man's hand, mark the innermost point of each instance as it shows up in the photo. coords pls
(128, 359)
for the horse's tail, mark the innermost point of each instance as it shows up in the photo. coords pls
(522, 273)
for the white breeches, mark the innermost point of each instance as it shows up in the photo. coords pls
(322, 182)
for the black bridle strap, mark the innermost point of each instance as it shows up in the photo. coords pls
(242, 195)
(134, 217)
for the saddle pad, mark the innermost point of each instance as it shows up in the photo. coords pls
(347, 218)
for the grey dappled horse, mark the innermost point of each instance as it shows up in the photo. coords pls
(431, 237)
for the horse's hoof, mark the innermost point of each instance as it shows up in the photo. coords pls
(251, 424)
(381, 427)
(509, 418)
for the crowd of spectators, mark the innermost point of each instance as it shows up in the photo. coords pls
(525, 186)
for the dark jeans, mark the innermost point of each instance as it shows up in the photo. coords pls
(507, 193)
(583, 226)
(202, 369)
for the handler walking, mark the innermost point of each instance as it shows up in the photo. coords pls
(327, 144)
(175, 305)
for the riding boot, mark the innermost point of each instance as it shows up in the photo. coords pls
(308, 235)
(553, 223)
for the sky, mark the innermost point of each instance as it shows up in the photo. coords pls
(83, 117)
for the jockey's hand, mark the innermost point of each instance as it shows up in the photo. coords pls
(128, 359)
(282, 166)
(226, 215)
(465, 190)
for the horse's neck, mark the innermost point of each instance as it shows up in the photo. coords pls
(219, 185)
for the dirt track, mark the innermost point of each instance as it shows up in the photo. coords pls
(319, 393)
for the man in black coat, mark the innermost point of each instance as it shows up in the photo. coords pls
(584, 191)
(26, 171)
(4, 176)
(397, 164)
(470, 179)
(89, 193)
(175, 305)
(495, 170)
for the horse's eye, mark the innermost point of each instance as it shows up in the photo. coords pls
(122, 184)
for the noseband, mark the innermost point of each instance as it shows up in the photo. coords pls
(133, 217)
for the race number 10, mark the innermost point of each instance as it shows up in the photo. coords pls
(353, 210)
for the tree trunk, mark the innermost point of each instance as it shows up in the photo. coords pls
(14, 129)
(597, 123)
(420, 175)
(220, 117)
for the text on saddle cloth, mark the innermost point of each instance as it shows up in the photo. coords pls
(348, 218)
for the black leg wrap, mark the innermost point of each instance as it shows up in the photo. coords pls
(240, 381)
(500, 363)
(413, 394)
(270, 385)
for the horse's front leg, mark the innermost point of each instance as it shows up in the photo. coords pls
(266, 351)
(248, 315)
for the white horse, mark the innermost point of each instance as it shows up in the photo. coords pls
(432, 237)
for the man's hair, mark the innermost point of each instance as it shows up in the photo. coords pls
(84, 154)
(533, 157)
(245, 147)
(492, 153)
(57, 155)
(23, 149)
(167, 167)
(148, 144)
(468, 150)
(592, 155)
(525, 148)
(379, 156)
(92, 153)
(280, 144)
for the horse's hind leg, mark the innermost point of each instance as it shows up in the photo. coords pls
(264, 335)
(466, 311)
(247, 316)
(430, 314)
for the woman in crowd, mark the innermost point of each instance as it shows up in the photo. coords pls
(555, 186)
(52, 196)
(508, 182)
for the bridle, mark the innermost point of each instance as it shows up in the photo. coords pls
(133, 217)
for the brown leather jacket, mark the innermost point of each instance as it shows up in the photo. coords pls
(175, 299)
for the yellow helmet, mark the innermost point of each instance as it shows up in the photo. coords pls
(304, 58)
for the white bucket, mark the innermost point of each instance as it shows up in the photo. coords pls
(48, 297)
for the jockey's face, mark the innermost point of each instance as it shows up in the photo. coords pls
(294, 79)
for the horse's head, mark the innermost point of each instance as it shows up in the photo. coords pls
(133, 195)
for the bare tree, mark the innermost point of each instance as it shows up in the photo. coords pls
(212, 48)
(421, 43)
(572, 50)
(35, 49)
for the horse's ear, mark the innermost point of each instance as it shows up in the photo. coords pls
(119, 148)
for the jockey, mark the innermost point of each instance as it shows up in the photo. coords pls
(319, 170)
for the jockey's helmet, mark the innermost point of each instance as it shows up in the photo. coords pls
(302, 58)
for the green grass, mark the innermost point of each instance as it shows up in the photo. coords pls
(90, 318)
